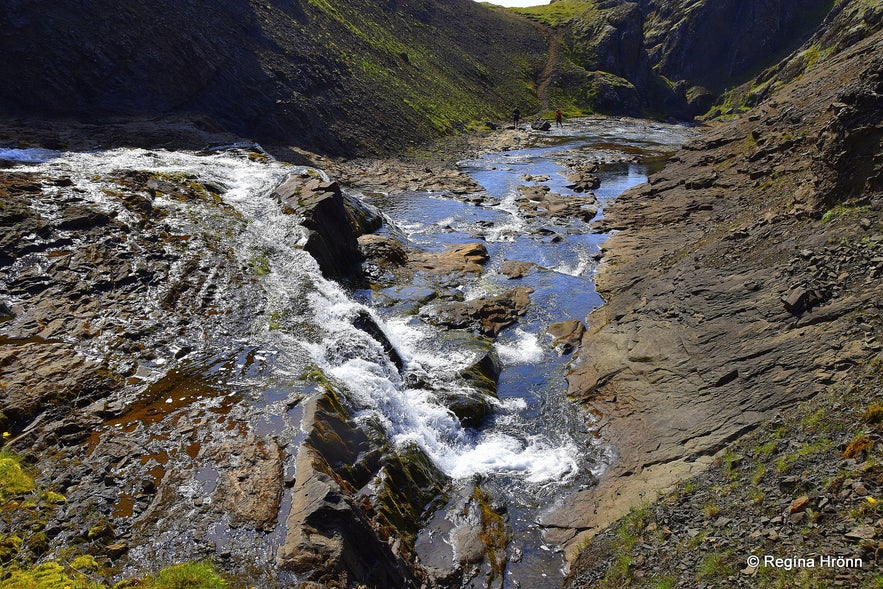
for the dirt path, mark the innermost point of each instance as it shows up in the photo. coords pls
(544, 80)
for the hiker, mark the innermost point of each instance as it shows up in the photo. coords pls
(558, 116)
(516, 116)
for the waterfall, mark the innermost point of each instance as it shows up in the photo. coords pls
(312, 318)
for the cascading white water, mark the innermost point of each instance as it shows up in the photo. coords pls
(314, 319)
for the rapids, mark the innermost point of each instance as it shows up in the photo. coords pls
(536, 446)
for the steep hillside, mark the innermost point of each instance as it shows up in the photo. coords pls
(744, 298)
(669, 57)
(716, 44)
(337, 77)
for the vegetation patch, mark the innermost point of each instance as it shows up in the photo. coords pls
(810, 483)
(493, 534)
(14, 481)
(195, 575)
(844, 210)
(560, 13)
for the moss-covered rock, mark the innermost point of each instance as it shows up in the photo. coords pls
(409, 484)
(14, 480)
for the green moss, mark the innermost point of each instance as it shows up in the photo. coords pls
(315, 375)
(189, 575)
(844, 210)
(53, 497)
(13, 480)
(759, 472)
(259, 263)
(49, 575)
(9, 547)
(665, 583)
(766, 449)
(873, 414)
(785, 462)
(716, 565)
(493, 534)
(54, 575)
(274, 321)
(39, 543)
(85, 563)
(561, 12)
(730, 463)
(815, 421)
(102, 529)
(410, 488)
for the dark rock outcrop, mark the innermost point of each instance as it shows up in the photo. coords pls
(716, 44)
(332, 237)
(333, 534)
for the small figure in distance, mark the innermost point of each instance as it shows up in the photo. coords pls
(516, 116)
(558, 117)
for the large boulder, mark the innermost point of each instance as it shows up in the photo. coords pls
(486, 315)
(331, 237)
(357, 504)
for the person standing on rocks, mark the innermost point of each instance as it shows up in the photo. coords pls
(558, 117)
(516, 116)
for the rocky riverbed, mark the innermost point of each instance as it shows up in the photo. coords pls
(179, 370)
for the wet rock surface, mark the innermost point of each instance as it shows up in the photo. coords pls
(539, 201)
(332, 227)
(123, 389)
(486, 315)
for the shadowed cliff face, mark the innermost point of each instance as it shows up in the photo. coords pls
(335, 77)
(671, 57)
(715, 44)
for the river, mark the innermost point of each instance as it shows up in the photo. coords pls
(537, 446)
(241, 376)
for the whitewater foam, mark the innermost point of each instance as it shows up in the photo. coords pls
(318, 321)
(524, 348)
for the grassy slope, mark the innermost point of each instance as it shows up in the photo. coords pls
(560, 13)
(338, 77)
(425, 71)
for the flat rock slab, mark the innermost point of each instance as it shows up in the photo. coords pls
(487, 315)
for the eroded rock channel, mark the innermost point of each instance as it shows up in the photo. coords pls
(219, 356)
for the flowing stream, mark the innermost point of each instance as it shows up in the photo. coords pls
(536, 446)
